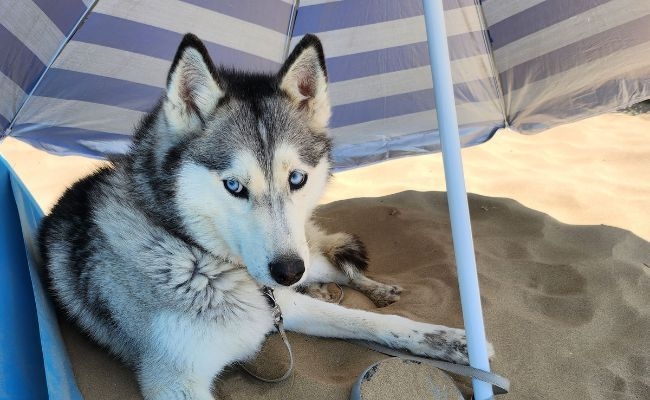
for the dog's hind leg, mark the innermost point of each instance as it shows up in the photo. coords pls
(310, 316)
(322, 271)
(342, 258)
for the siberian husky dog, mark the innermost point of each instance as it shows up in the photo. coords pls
(162, 256)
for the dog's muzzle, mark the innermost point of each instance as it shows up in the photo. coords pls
(287, 270)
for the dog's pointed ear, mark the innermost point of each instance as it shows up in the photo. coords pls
(303, 78)
(193, 90)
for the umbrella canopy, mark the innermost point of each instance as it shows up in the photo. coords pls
(77, 76)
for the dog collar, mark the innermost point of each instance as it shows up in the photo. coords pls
(275, 308)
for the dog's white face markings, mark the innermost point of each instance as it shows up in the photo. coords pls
(198, 197)
(268, 224)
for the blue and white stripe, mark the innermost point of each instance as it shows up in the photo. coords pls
(114, 68)
(560, 61)
(380, 81)
(30, 34)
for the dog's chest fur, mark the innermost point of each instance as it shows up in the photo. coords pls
(139, 285)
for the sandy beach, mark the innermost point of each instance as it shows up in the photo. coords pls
(562, 233)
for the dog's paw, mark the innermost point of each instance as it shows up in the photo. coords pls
(444, 343)
(447, 344)
(383, 295)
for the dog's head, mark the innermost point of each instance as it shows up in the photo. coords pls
(244, 157)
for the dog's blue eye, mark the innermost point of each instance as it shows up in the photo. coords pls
(234, 185)
(235, 188)
(297, 179)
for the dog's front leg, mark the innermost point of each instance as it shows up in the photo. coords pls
(159, 381)
(314, 317)
(185, 353)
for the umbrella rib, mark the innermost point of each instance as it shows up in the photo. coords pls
(290, 27)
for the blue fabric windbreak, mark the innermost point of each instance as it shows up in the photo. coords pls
(33, 361)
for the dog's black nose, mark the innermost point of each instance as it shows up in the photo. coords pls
(287, 270)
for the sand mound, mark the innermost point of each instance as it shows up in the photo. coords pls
(566, 307)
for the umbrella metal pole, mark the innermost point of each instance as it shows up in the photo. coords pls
(456, 193)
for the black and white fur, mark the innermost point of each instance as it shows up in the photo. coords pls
(160, 257)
